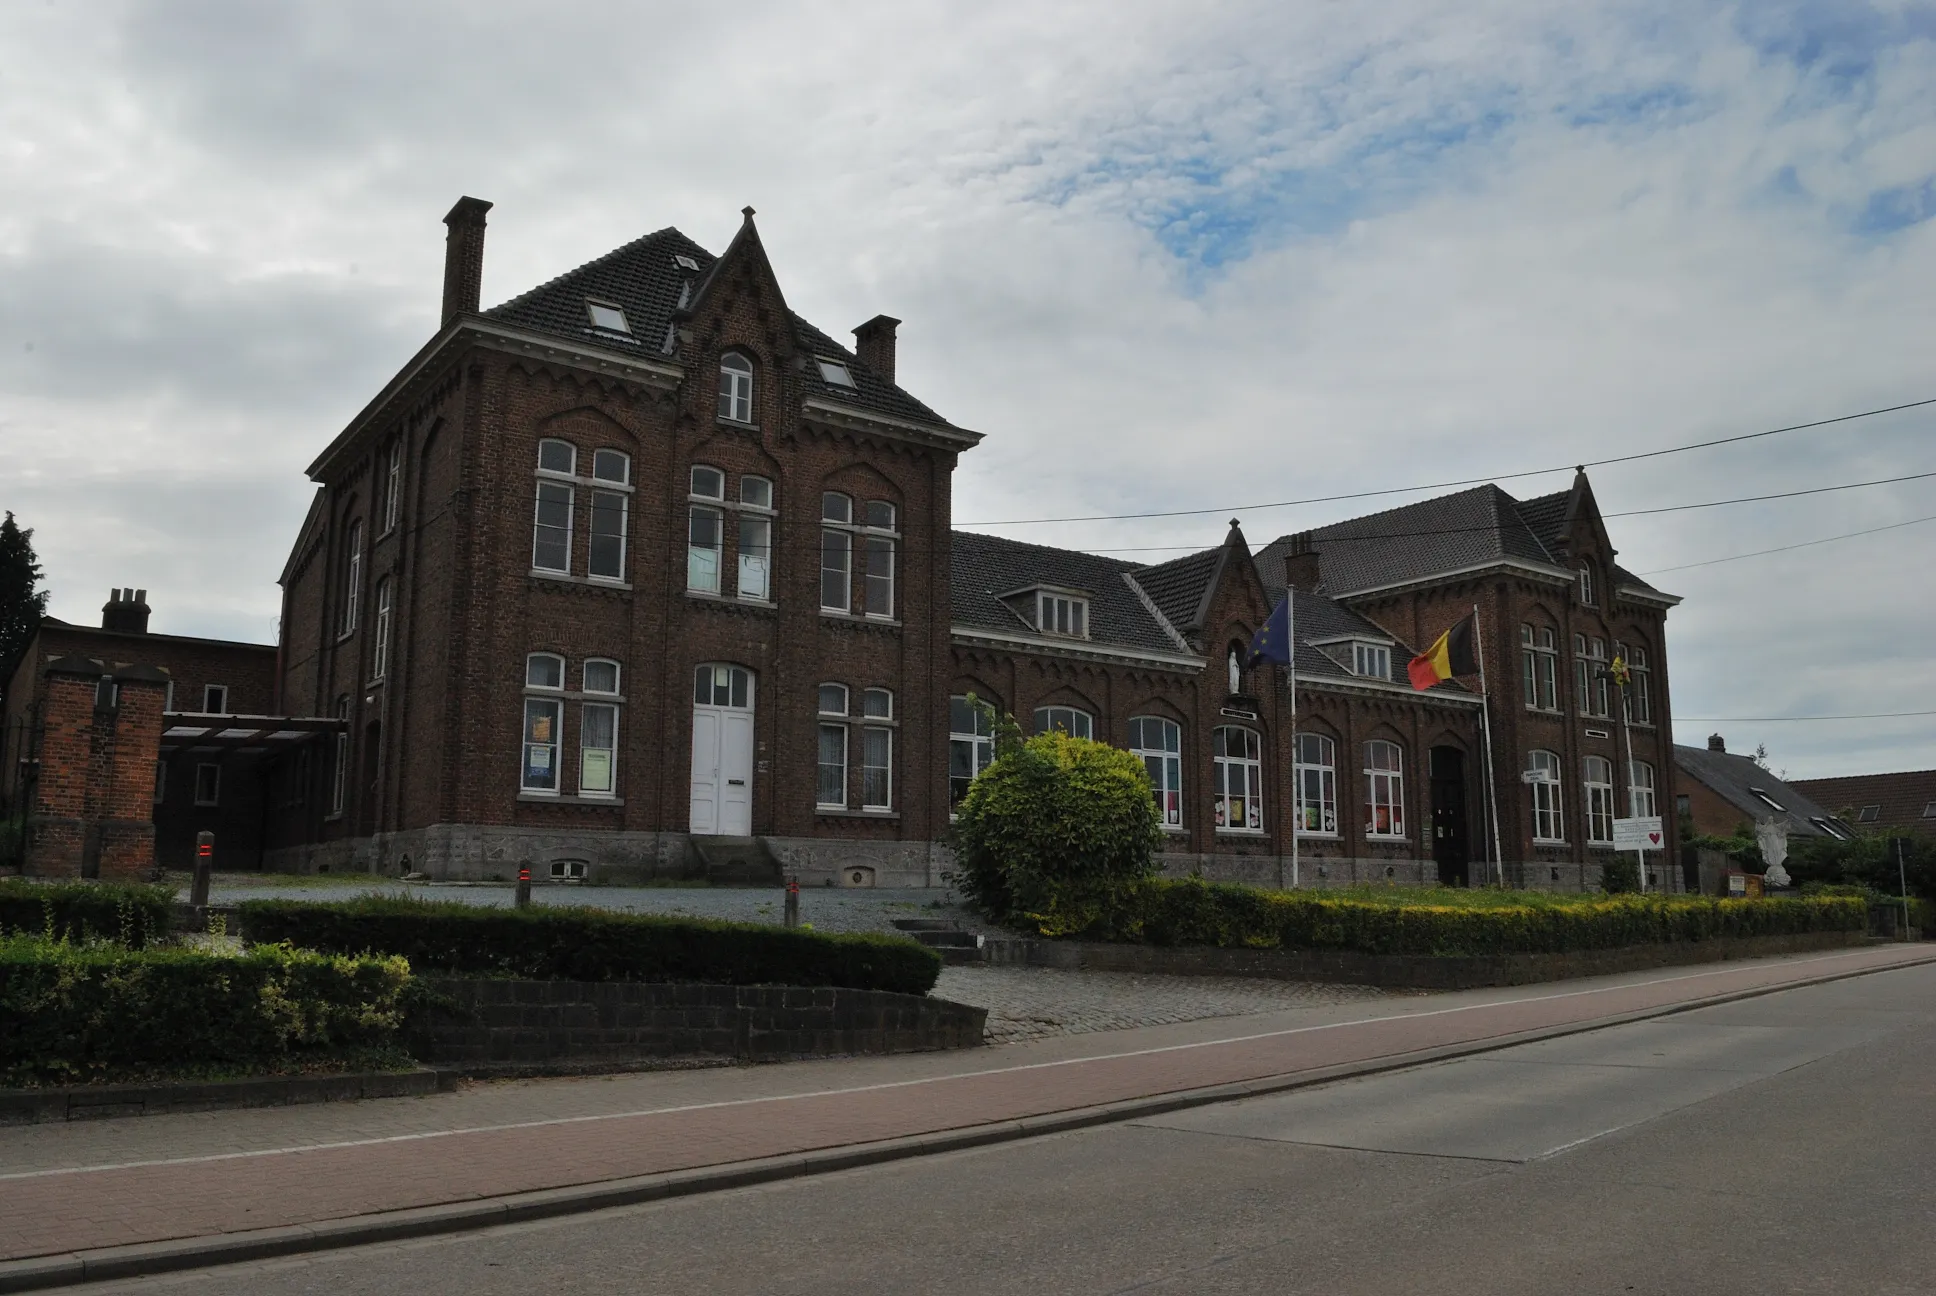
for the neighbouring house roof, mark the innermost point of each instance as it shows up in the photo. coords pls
(646, 280)
(1905, 800)
(1742, 783)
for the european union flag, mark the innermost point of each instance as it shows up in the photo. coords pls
(1273, 642)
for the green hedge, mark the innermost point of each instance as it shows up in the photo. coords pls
(1192, 912)
(592, 944)
(71, 1013)
(84, 911)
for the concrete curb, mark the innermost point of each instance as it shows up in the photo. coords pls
(96, 1102)
(42, 1272)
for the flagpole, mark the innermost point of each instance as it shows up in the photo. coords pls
(1485, 724)
(1297, 793)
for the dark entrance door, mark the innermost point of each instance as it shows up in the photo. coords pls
(1451, 847)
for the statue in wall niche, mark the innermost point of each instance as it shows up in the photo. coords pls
(1236, 668)
(1772, 836)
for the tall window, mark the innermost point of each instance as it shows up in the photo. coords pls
(755, 538)
(339, 780)
(611, 503)
(1316, 780)
(1384, 789)
(551, 526)
(1160, 743)
(876, 751)
(215, 699)
(598, 731)
(880, 539)
(705, 529)
(831, 790)
(1586, 584)
(380, 652)
(1590, 675)
(1543, 779)
(736, 387)
(1239, 778)
(353, 577)
(544, 721)
(393, 486)
(1644, 806)
(1539, 667)
(1068, 720)
(1599, 801)
(208, 785)
(1602, 680)
(836, 552)
(971, 744)
(1640, 694)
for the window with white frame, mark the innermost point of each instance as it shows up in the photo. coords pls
(971, 743)
(836, 552)
(876, 751)
(611, 507)
(1237, 768)
(1065, 719)
(1315, 778)
(1062, 614)
(755, 538)
(208, 785)
(598, 730)
(881, 539)
(544, 721)
(1371, 661)
(601, 676)
(393, 486)
(353, 578)
(339, 779)
(380, 650)
(1543, 781)
(1539, 667)
(1599, 801)
(1602, 677)
(215, 699)
(1586, 585)
(1640, 688)
(607, 317)
(705, 529)
(831, 785)
(735, 388)
(1384, 789)
(1159, 742)
(557, 497)
(1590, 675)
(1643, 791)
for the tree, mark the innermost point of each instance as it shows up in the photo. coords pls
(21, 606)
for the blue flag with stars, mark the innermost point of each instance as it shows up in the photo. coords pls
(1273, 642)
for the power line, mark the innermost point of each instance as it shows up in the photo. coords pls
(1469, 481)
(1850, 535)
(1754, 499)
(1877, 715)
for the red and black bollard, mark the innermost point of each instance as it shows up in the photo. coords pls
(204, 864)
(524, 886)
(793, 902)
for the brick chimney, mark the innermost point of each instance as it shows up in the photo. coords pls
(1716, 743)
(126, 611)
(464, 259)
(874, 344)
(1301, 563)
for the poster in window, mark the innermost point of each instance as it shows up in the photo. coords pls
(597, 776)
(541, 729)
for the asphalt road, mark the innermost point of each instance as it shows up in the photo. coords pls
(1780, 1144)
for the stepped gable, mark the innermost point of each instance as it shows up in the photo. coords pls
(645, 279)
(987, 567)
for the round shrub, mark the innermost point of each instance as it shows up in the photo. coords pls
(1056, 833)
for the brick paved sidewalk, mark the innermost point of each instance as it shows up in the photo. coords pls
(55, 1211)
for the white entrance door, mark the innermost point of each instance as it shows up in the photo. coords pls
(722, 751)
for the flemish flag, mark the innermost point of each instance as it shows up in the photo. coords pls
(1452, 654)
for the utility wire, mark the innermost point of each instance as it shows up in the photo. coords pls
(1877, 715)
(1753, 499)
(1469, 481)
(1850, 535)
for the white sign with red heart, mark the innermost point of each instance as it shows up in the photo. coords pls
(1637, 834)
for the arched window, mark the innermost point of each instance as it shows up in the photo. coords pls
(1384, 789)
(1586, 584)
(1239, 775)
(727, 686)
(1543, 779)
(971, 743)
(1599, 801)
(735, 387)
(1160, 743)
(1316, 780)
(353, 578)
(1644, 806)
(1068, 720)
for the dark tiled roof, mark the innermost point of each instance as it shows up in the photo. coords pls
(1733, 779)
(986, 567)
(1319, 618)
(1177, 587)
(1545, 515)
(1901, 799)
(644, 278)
(1465, 529)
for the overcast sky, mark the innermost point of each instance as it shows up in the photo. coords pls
(1163, 256)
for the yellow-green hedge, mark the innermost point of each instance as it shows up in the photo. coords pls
(1190, 912)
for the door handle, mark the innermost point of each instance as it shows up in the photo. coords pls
(736, 782)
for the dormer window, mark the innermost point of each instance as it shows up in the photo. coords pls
(1586, 585)
(607, 317)
(1371, 661)
(735, 388)
(1061, 614)
(835, 373)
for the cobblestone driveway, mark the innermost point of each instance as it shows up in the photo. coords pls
(1026, 1003)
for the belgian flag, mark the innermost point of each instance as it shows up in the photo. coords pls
(1451, 655)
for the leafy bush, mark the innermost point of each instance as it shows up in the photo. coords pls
(1056, 832)
(133, 916)
(1192, 912)
(1620, 874)
(1868, 861)
(592, 944)
(102, 1012)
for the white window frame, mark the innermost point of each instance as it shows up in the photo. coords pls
(1384, 790)
(1314, 777)
(876, 767)
(1643, 791)
(879, 548)
(353, 579)
(618, 678)
(1586, 585)
(971, 748)
(380, 647)
(1539, 667)
(553, 487)
(1063, 615)
(1640, 697)
(215, 699)
(755, 552)
(542, 699)
(1548, 804)
(339, 783)
(1158, 742)
(590, 752)
(1074, 719)
(1598, 784)
(1370, 660)
(822, 784)
(736, 388)
(213, 797)
(836, 552)
(1245, 768)
(705, 565)
(393, 486)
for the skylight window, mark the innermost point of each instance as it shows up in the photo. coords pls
(1870, 813)
(1929, 811)
(835, 372)
(608, 317)
(685, 262)
(1764, 797)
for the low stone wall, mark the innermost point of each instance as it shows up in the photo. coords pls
(1422, 972)
(488, 1022)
